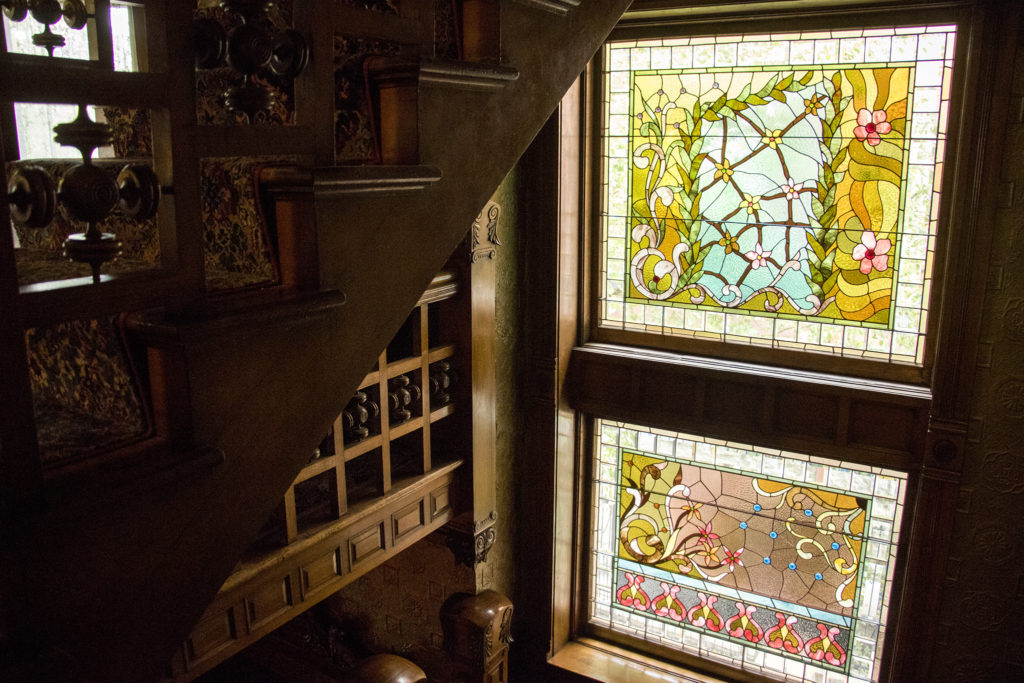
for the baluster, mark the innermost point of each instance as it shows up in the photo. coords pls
(442, 378)
(87, 192)
(402, 394)
(356, 416)
(249, 48)
(48, 12)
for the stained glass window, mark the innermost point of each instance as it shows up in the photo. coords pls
(773, 562)
(778, 190)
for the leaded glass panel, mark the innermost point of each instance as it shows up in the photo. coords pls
(776, 190)
(773, 562)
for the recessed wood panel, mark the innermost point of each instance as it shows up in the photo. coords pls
(320, 572)
(675, 384)
(364, 544)
(407, 520)
(734, 403)
(600, 380)
(211, 634)
(806, 414)
(440, 502)
(269, 600)
(882, 425)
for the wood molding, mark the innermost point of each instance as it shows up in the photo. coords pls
(263, 594)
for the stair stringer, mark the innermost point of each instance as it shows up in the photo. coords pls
(118, 585)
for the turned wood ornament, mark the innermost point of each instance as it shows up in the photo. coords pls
(249, 48)
(442, 377)
(48, 12)
(32, 196)
(387, 669)
(356, 417)
(402, 394)
(88, 193)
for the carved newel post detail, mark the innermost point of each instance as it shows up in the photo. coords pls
(387, 669)
(477, 634)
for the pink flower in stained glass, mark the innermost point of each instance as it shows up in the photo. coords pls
(758, 257)
(732, 559)
(872, 253)
(791, 188)
(871, 125)
(706, 535)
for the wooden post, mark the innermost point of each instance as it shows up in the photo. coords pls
(477, 633)
(472, 534)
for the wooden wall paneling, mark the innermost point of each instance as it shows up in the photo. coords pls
(264, 593)
(876, 423)
(217, 630)
(269, 600)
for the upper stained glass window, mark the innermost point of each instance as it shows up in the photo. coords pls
(776, 189)
(775, 563)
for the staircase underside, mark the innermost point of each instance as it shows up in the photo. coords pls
(116, 581)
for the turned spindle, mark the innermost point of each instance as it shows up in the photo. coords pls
(402, 395)
(251, 48)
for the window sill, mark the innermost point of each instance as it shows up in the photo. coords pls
(606, 662)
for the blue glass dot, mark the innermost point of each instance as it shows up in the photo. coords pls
(767, 560)
(817, 575)
(757, 507)
(792, 565)
(743, 525)
(808, 513)
(835, 546)
(774, 534)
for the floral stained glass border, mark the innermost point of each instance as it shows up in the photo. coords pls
(773, 562)
(778, 190)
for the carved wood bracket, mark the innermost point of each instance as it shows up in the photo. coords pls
(471, 541)
(484, 238)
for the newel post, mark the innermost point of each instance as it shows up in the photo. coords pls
(477, 633)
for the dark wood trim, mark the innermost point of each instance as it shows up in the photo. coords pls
(559, 7)
(264, 593)
(610, 382)
(467, 75)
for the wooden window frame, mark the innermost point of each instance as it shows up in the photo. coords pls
(594, 373)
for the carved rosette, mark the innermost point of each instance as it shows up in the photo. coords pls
(484, 238)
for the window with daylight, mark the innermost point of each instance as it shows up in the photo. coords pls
(773, 562)
(777, 190)
(760, 200)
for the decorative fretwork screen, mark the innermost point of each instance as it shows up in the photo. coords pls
(777, 190)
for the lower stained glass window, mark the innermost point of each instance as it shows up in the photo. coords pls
(773, 562)
(779, 190)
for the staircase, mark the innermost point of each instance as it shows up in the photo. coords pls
(107, 565)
